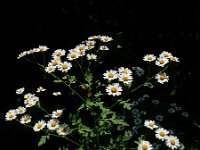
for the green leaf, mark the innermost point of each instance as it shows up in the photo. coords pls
(119, 121)
(72, 79)
(57, 81)
(43, 140)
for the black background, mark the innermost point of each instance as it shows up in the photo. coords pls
(140, 27)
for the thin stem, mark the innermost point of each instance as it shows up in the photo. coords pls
(40, 107)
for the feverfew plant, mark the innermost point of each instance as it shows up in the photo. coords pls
(104, 116)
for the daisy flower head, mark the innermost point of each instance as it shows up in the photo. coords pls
(106, 38)
(114, 89)
(162, 77)
(175, 59)
(90, 43)
(104, 48)
(53, 124)
(31, 51)
(30, 103)
(63, 129)
(50, 69)
(11, 115)
(65, 66)
(39, 125)
(22, 54)
(29, 95)
(57, 113)
(165, 54)
(149, 57)
(110, 75)
(54, 62)
(161, 133)
(150, 124)
(81, 47)
(91, 57)
(73, 55)
(56, 93)
(93, 37)
(20, 90)
(58, 53)
(40, 89)
(144, 145)
(123, 70)
(43, 48)
(172, 142)
(126, 78)
(25, 119)
(20, 110)
(162, 61)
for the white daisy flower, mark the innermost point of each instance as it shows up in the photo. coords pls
(93, 37)
(65, 66)
(106, 38)
(144, 145)
(56, 93)
(40, 89)
(149, 57)
(30, 103)
(162, 77)
(43, 48)
(125, 78)
(110, 75)
(114, 89)
(22, 55)
(91, 57)
(172, 142)
(31, 51)
(35, 98)
(53, 124)
(165, 54)
(29, 95)
(39, 125)
(63, 129)
(20, 110)
(50, 69)
(150, 124)
(104, 48)
(81, 47)
(162, 61)
(90, 43)
(25, 119)
(161, 133)
(54, 62)
(58, 53)
(123, 70)
(175, 59)
(73, 55)
(57, 113)
(11, 115)
(20, 90)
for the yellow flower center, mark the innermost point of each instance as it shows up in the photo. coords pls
(42, 49)
(110, 75)
(162, 77)
(39, 126)
(162, 61)
(113, 89)
(81, 48)
(25, 119)
(20, 111)
(11, 116)
(31, 51)
(50, 68)
(73, 55)
(62, 129)
(162, 134)
(106, 39)
(125, 78)
(144, 147)
(53, 123)
(151, 125)
(54, 63)
(172, 142)
(149, 58)
(58, 53)
(166, 55)
(173, 58)
(64, 66)
(57, 113)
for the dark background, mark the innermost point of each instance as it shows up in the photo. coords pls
(140, 28)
